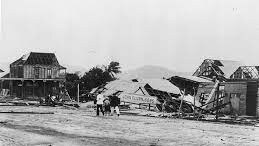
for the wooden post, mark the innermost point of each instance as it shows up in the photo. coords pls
(148, 106)
(22, 88)
(78, 93)
(180, 108)
(33, 88)
(44, 88)
(217, 102)
(11, 87)
(1, 86)
(194, 101)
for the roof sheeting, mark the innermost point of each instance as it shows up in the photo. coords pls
(35, 58)
(191, 99)
(41, 58)
(2, 73)
(125, 86)
(139, 87)
(93, 90)
(5, 68)
(193, 79)
(162, 85)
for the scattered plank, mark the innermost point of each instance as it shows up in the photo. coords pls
(13, 112)
(70, 107)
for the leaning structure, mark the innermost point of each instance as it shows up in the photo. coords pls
(234, 86)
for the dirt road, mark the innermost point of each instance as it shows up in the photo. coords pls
(82, 127)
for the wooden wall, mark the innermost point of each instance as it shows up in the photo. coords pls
(29, 72)
(205, 89)
(257, 103)
(239, 88)
(16, 71)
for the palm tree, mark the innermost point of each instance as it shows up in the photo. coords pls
(113, 68)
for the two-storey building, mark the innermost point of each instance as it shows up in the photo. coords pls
(36, 75)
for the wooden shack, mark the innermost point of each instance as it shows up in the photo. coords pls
(239, 85)
(36, 75)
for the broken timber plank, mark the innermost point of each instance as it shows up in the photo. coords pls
(12, 112)
(212, 92)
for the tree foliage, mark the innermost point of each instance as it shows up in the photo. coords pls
(71, 83)
(113, 68)
(95, 77)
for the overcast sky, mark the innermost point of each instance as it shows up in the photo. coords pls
(177, 34)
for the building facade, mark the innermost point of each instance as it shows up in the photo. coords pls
(238, 86)
(36, 75)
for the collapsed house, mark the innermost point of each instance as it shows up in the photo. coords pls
(152, 92)
(221, 70)
(128, 91)
(232, 87)
(35, 75)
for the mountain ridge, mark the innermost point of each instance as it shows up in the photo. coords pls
(150, 71)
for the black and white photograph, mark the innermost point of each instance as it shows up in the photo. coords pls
(129, 72)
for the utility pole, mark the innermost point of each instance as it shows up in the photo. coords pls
(217, 102)
(78, 92)
(194, 94)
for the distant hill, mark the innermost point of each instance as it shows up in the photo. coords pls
(145, 72)
(150, 71)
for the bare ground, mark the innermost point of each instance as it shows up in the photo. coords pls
(82, 127)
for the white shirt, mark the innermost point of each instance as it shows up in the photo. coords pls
(100, 99)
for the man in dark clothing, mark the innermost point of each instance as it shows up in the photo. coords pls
(114, 103)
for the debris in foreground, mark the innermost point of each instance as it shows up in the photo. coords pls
(12, 112)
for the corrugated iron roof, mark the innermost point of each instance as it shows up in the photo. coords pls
(193, 79)
(125, 86)
(5, 68)
(162, 85)
(35, 58)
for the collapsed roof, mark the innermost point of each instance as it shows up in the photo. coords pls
(125, 86)
(192, 79)
(121, 86)
(152, 87)
(221, 69)
(246, 72)
(162, 85)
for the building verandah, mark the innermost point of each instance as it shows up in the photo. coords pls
(32, 87)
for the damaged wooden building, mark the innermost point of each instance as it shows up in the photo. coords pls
(146, 92)
(234, 85)
(35, 75)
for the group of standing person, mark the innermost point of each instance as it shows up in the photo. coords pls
(107, 104)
